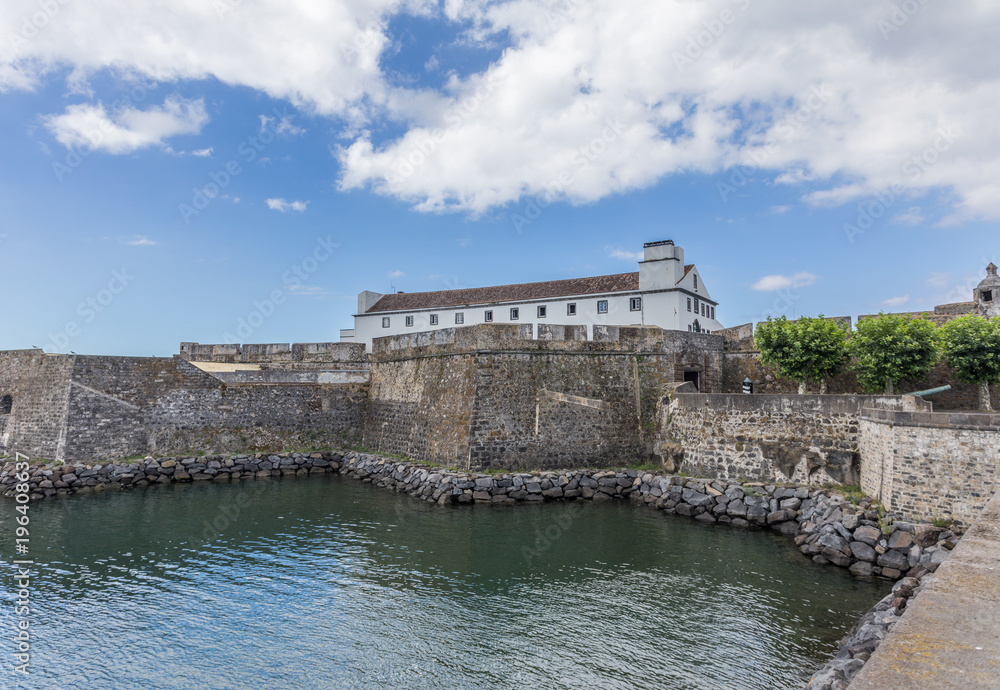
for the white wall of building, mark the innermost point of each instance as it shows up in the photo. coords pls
(664, 303)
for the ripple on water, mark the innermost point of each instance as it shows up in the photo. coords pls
(330, 583)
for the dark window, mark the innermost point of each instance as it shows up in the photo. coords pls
(541, 312)
(515, 313)
(459, 317)
(488, 315)
(602, 306)
(409, 320)
(987, 295)
(695, 282)
(6, 404)
(689, 304)
(697, 326)
(571, 309)
(434, 319)
(635, 304)
(385, 322)
(713, 312)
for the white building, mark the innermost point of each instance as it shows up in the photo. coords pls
(664, 292)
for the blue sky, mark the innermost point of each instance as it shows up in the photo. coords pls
(167, 171)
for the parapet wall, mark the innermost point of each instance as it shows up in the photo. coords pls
(489, 396)
(927, 465)
(808, 439)
(275, 352)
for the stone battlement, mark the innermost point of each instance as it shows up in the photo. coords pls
(273, 352)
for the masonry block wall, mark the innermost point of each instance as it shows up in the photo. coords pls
(808, 439)
(78, 408)
(931, 465)
(489, 396)
(38, 386)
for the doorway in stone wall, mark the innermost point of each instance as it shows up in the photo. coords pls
(694, 377)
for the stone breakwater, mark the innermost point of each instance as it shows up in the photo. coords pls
(824, 525)
(867, 634)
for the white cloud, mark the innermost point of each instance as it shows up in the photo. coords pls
(464, 242)
(140, 241)
(127, 129)
(780, 210)
(622, 254)
(580, 100)
(779, 282)
(896, 301)
(203, 153)
(284, 206)
(284, 125)
(396, 274)
(308, 291)
(938, 279)
(911, 216)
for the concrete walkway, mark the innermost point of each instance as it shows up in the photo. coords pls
(949, 637)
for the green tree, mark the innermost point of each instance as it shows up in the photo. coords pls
(809, 349)
(890, 348)
(971, 346)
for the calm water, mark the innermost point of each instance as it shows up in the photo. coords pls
(330, 583)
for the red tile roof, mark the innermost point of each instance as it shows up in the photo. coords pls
(408, 301)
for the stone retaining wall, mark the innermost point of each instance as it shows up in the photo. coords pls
(807, 439)
(826, 527)
(931, 465)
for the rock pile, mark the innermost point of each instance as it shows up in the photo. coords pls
(825, 526)
(865, 637)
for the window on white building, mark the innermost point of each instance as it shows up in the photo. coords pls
(434, 319)
(488, 315)
(697, 306)
(459, 317)
(385, 322)
(689, 304)
(689, 327)
(515, 313)
(541, 312)
(695, 281)
(602, 306)
(713, 312)
(571, 309)
(409, 321)
(635, 304)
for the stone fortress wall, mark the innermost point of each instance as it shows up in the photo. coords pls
(490, 396)
(922, 465)
(79, 407)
